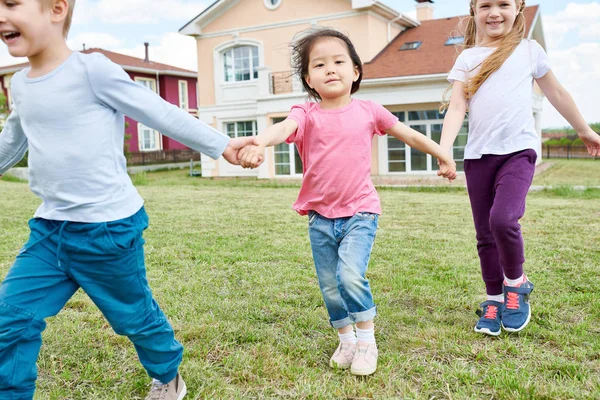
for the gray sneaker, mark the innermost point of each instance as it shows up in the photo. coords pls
(174, 390)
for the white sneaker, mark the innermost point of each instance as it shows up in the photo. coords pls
(365, 360)
(343, 356)
(174, 390)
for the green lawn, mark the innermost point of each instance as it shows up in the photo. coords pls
(570, 172)
(230, 264)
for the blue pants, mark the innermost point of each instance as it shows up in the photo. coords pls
(107, 261)
(341, 250)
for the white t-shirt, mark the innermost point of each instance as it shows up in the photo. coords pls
(500, 113)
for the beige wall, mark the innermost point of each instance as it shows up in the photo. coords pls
(368, 33)
(246, 13)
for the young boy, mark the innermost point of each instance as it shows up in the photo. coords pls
(68, 112)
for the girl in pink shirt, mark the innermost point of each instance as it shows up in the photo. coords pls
(333, 135)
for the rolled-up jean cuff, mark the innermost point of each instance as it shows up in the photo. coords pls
(363, 316)
(340, 323)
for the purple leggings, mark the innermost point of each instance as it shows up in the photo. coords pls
(498, 186)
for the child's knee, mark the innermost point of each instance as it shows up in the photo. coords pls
(17, 324)
(142, 324)
(501, 224)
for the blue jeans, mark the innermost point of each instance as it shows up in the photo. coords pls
(107, 261)
(341, 250)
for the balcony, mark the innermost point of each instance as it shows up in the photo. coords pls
(281, 82)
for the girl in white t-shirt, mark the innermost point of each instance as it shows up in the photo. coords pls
(493, 77)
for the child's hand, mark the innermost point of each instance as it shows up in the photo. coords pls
(231, 153)
(447, 169)
(592, 142)
(252, 156)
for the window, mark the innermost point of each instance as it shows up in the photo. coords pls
(454, 40)
(148, 139)
(240, 129)
(241, 64)
(147, 82)
(410, 46)
(287, 158)
(272, 4)
(183, 95)
(402, 158)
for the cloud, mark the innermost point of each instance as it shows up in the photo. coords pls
(94, 39)
(574, 65)
(172, 49)
(146, 11)
(576, 71)
(580, 19)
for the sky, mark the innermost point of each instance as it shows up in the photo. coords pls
(571, 29)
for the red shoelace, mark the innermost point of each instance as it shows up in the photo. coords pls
(491, 312)
(512, 301)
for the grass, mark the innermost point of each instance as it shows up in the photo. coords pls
(230, 264)
(570, 172)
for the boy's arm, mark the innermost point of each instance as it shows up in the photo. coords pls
(111, 84)
(418, 141)
(564, 104)
(252, 156)
(13, 142)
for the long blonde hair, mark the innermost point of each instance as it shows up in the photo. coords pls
(492, 63)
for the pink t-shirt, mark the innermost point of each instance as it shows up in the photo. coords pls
(335, 147)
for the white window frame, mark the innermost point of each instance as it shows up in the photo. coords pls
(154, 139)
(184, 102)
(269, 4)
(144, 132)
(9, 99)
(384, 164)
(252, 66)
(235, 124)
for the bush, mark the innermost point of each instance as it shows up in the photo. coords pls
(23, 162)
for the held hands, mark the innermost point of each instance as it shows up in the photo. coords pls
(252, 156)
(447, 169)
(592, 142)
(234, 149)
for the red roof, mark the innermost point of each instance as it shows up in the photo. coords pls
(432, 56)
(127, 62)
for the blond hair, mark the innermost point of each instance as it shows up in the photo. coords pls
(492, 63)
(68, 18)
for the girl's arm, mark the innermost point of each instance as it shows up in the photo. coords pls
(253, 156)
(455, 116)
(418, 141)
(564, 104)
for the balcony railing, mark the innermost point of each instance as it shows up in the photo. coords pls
(281, 82)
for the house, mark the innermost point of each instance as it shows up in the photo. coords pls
(175, 85)
(245, 82)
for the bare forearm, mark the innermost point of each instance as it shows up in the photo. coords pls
(426, 145)
(564, 104)
(452, 124)
(276, 133)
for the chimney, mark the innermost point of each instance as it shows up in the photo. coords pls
(424, 10)
(146, 58)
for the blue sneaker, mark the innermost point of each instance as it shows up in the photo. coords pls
(516, 312)
(490, 316)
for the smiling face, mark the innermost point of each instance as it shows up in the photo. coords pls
(28, 27)
(494, 19)
(331, 71)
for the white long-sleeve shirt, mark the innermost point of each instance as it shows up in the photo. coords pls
(72, 122)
